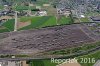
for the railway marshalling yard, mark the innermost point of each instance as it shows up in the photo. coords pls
(46, 39)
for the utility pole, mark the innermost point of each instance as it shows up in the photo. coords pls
(29, 9)
(15, 26)
(57, 16)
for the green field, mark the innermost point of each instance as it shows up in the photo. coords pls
(45, 21)
(65, 20)
(1, 7)
(84, 19)
(21, 8)
(41, 2)
(36, 22)
(9, 26)
(92, 13)
(41, 63)
(4, 30)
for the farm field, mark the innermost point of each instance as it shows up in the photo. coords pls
(92, 14)
(8, 26)
(84, 19)
(41, 2)
(45, 21)
(21, 8)
(36, 22)
(1, 7)
(65, 20)
(4, 30)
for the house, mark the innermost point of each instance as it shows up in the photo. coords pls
(13, 63)
(42, 13)
(46, 4)
(63, 11)
(38, 7)
(24, 63)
